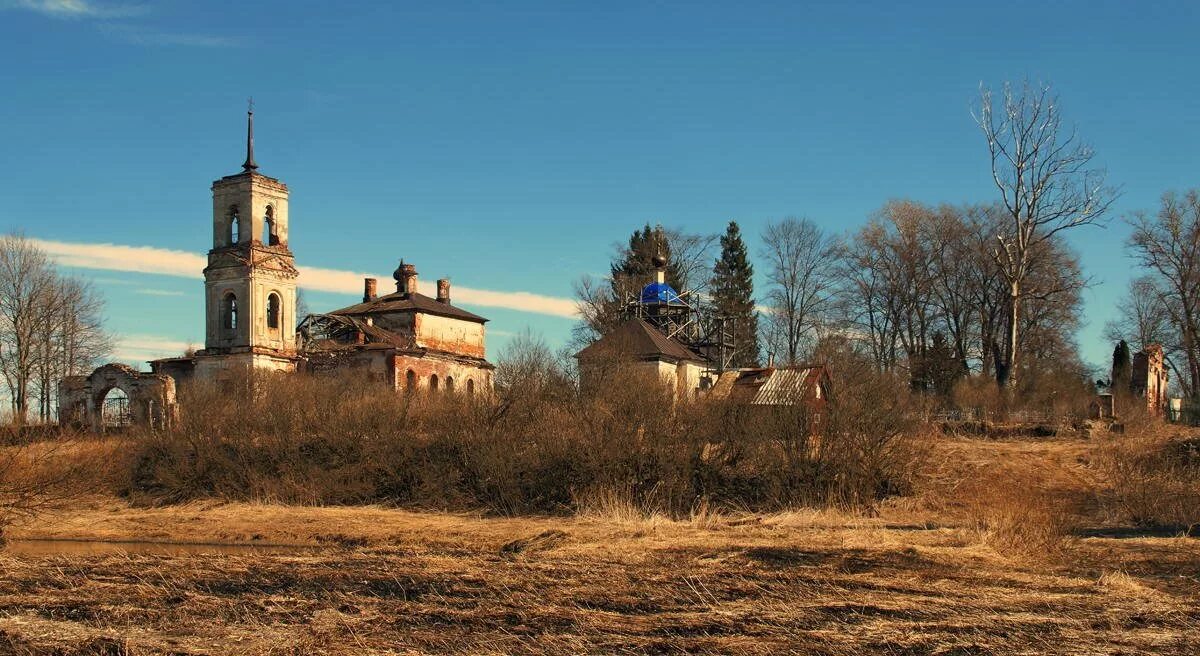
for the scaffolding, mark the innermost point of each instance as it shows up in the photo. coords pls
(684, 317)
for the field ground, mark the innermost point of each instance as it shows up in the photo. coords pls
(909, 579)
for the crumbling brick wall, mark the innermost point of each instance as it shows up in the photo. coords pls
(151, 396)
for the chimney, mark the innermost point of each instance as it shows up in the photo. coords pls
(406, 278)
(369, 285)
(444, 291)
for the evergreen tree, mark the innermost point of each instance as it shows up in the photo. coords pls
(632, 268)
(732, 290)
(635, 267)
(1122, 369)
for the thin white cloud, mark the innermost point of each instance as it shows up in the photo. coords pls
(103, 14)
(149, 291)
(163, 261)
(141, 35)
(139, 348)
(74, 8)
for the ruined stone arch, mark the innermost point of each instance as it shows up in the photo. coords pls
(150, 399)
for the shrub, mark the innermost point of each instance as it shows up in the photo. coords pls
(538, 445)
(1154, 477)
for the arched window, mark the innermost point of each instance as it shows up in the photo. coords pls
(470, 387)
(449, 383)
(234, 220)
(410, 380)
(273, 311)
(433, 382)
(229, 312)
(268, 236)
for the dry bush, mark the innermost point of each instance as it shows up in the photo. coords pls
(1019, 514)
(42, 474)
(624, 447)
(1154, 476)
(978, 396)
(1061, 390)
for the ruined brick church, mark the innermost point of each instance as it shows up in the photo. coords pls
(404, 339)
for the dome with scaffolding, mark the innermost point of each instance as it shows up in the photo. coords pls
(661, 293)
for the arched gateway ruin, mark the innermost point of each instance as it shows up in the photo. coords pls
(143, 399)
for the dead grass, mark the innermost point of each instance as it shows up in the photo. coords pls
(405, 582)
(997, 546)
(1153, 477)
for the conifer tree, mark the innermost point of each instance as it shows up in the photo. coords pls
(732, 290)
(635, 268)
(1122, 368)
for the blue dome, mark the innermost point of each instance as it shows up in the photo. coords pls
(661, 292)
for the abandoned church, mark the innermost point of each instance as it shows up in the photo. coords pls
(404, 339)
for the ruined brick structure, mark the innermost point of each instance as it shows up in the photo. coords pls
(1149, 379)
(406, 340)
(148, 399)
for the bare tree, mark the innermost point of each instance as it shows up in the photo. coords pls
(71, 340)
(800, 262)
(50, 327)
(26, 286)
(1168, 245)
(1047, 184)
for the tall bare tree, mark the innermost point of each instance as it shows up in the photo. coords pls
(71, 339)
(800, 262)
(1047, 184)
(50, 326)
(1168, 245)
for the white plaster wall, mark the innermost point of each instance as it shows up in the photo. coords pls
(450, 335)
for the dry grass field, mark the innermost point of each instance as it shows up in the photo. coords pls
(1012, 547)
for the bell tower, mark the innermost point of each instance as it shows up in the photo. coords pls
(250, 280)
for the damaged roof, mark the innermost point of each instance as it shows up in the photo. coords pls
(338, 332)
(779, 385)
(638, 338)
(406, 302)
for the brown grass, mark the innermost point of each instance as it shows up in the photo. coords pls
(1154, 477)
(597, 525)
(394, 581)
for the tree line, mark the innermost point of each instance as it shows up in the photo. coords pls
(51, 326)
(933, 292)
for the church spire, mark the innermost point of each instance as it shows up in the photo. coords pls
(250, 164)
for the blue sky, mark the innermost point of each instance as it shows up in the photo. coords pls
(508, 145)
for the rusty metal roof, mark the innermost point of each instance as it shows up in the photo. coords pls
(639, 339)
(778, 385)
(404, 302)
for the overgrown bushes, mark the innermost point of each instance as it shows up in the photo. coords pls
(1154, 477)
(537, 446)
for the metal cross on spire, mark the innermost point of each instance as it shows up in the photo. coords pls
(250, 164)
